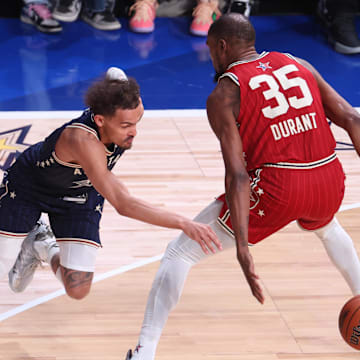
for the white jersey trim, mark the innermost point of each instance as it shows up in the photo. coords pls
(227, 229)
(79, 241)
(109, 152)
(65, 163)
(12, 235)
(264, 53)
(309, 165)
(292, 57)
(230, 75)
(84, 127)
(91, 131)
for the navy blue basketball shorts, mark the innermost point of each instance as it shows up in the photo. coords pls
(72, 219)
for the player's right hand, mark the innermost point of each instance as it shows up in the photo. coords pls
(203, 234)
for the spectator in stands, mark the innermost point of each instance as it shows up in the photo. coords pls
(143, 12)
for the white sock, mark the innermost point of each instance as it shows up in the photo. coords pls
(342, 253)
(58, 275)
(54, 250)
(44, 241)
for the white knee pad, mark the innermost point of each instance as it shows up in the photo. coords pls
(9, 250)
(77, 256)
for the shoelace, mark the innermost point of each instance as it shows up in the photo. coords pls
(42, 10)
(205, 10)
(143, 9)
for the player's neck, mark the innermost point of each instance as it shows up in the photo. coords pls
(245, 55)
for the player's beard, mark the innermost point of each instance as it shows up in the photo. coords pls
(126, 144)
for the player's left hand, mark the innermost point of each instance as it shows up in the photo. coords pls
(248, 267)
(203, 234)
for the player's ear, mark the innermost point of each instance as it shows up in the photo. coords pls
(99, 120)
(222, 44)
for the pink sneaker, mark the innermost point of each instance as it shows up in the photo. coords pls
(143, 13)
(204, 15)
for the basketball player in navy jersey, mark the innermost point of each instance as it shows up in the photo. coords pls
(269, 113)
(67, 176)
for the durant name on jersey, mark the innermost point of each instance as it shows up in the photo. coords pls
(299, 124)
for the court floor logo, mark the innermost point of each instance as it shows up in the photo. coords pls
(12, 145)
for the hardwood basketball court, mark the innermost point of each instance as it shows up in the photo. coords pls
(176, 162)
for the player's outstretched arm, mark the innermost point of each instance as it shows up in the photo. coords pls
(337, 109)
(223, 107)
(89, 152)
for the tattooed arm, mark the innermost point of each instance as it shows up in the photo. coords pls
(223, 107)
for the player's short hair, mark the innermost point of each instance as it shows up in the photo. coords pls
(105, 96)
(233, 27)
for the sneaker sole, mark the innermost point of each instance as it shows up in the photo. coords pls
(198, 32)
(101, 27)
(142, 30)
(347, 50)
(28, 21)
(65, 18)
(343, 49)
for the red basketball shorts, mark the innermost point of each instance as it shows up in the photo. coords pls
(278, 196)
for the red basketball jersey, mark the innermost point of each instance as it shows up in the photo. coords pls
(281, 116)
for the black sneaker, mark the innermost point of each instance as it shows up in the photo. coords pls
(67, 10)
(40, 16)
(240, 7)
(343, 35)
(129, 355)
(104, 20)
(341, 30)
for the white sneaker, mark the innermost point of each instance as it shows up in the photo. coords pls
(67, 10)
(241, 7)
(34, 250)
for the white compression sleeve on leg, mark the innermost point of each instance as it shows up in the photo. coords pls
(181, 254)
(10, 248)
(342, 253)
(164, 295)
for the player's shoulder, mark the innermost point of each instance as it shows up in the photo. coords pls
(82, 128)
(224, 90)
(77, 135)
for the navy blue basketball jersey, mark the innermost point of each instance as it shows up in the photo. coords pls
(43, 173)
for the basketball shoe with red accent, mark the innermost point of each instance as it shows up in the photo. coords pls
(205, 13)
(34, 250)
(143, 14)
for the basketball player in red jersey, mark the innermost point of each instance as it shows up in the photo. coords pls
(269, 113)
